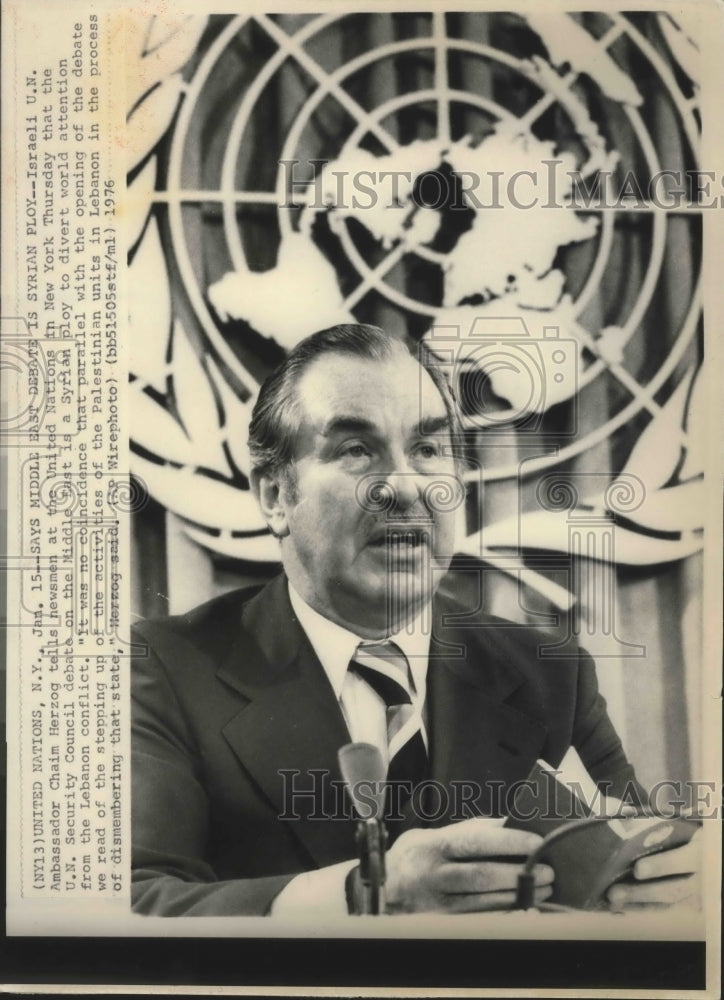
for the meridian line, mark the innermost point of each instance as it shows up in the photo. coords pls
(627, 380)
(568, 80)
(245, 197)
(326, 81)
(442, 84)
(308, 196)
(545, 102)
(370, 281)
(606, 40)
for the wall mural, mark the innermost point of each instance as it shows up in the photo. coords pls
(245, 233)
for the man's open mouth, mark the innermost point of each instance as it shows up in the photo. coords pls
(401, 537)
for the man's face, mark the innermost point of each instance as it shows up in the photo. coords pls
(365, 545)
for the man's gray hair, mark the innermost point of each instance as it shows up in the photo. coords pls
(275, 419)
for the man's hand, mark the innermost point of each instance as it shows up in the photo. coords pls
(662, 880)
(461, 868)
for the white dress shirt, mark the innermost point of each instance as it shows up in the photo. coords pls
(321, 892)
(364, 710)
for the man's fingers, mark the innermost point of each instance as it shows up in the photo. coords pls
(470, 877)
(678, 861)
(462, 868)
(482, 838)
(663, 879)
(661, 892)
(480, 902)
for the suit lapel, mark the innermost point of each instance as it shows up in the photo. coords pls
(289, 731)
(287, 734)
(480, 742)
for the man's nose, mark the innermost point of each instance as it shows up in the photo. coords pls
(405, 487)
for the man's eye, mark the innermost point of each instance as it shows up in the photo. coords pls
(428, 450)
(355, 450)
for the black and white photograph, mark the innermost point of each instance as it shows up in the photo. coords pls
(368, 515)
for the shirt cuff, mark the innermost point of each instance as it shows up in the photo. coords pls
(318, 893)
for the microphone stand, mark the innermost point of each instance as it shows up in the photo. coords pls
(371, 839)
(364, 775)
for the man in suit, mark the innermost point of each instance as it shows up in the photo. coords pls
(240, 706)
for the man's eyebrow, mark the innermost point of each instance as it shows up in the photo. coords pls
(433, 425)
(347, 425)
(344, 424)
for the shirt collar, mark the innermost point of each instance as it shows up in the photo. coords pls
(335, 645)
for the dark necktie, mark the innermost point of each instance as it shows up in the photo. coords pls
(384, 667)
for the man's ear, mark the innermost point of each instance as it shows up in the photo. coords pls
(267, 490)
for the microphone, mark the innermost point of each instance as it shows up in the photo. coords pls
(364, 775)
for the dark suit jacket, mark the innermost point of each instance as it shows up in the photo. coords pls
(231, 694)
